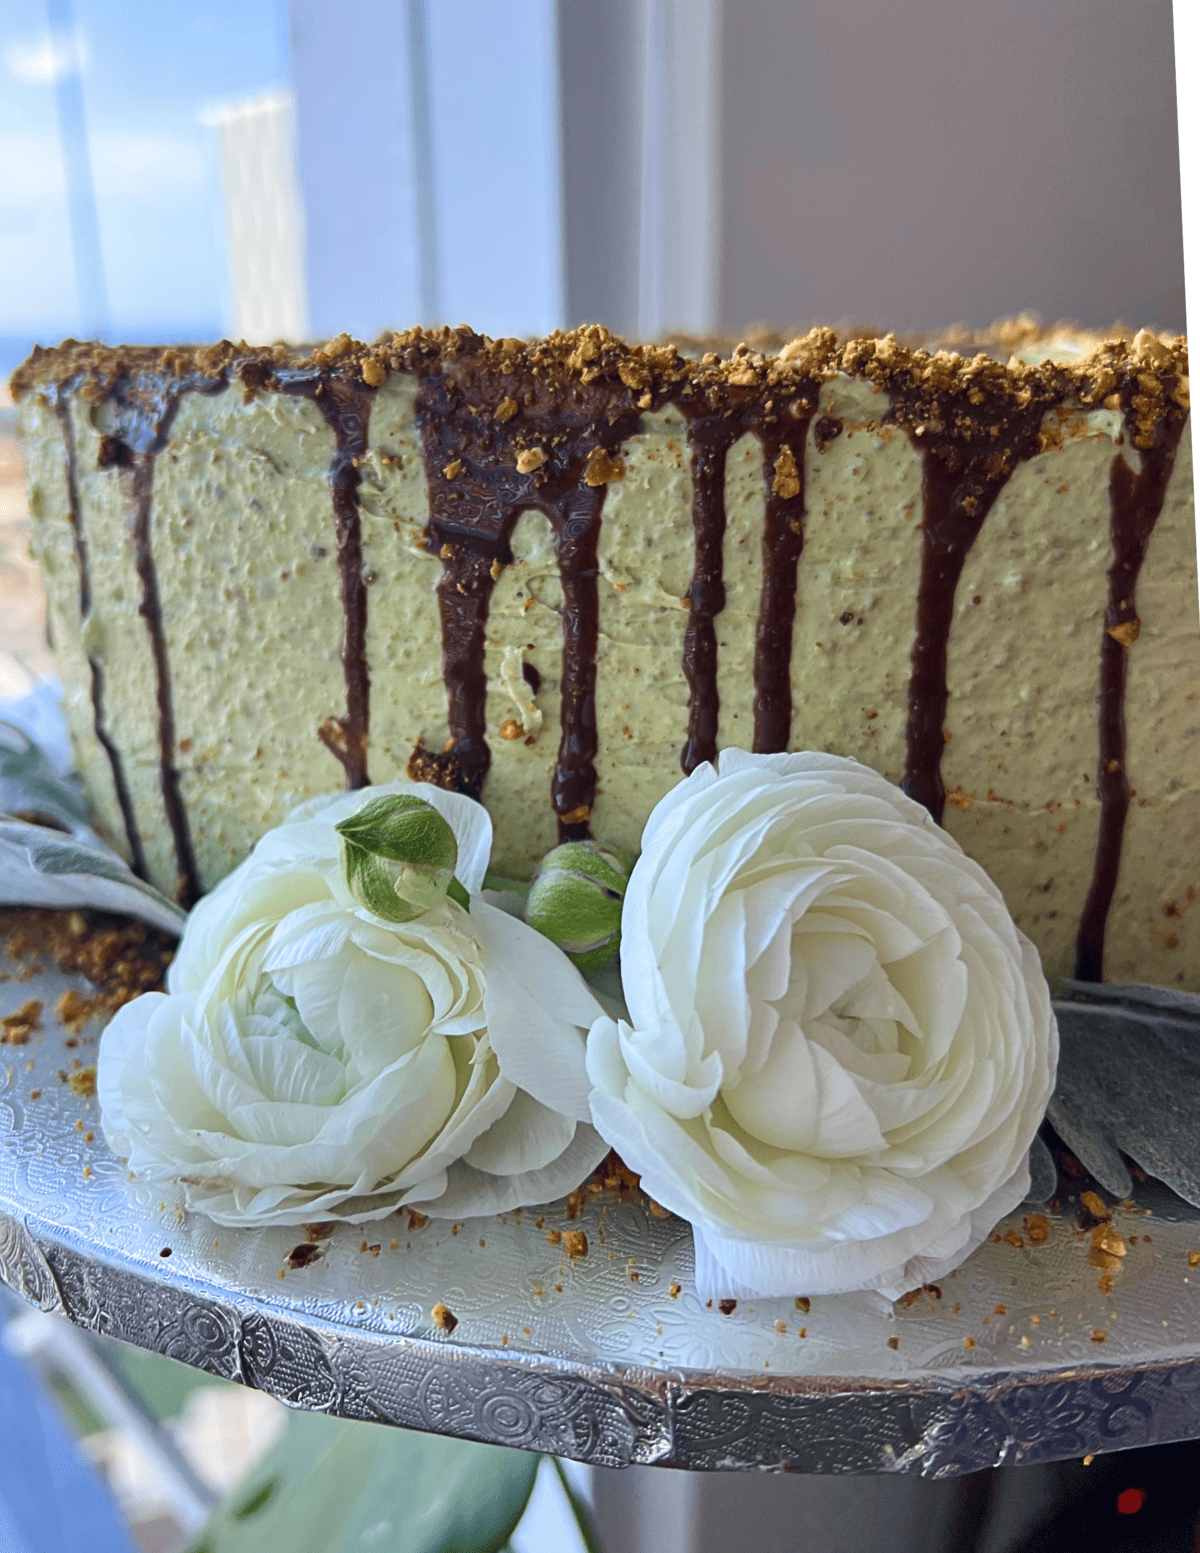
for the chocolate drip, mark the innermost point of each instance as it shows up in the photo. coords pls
(346, 406)
(476, 495)
(141, 489)
(783, 540)
(709, 437)
(145, 408)
(464, 596)
(576, 520)
(472, 513)
(62, 409)
(1135, 503)
(825, 430)
(715, 424)
(958, 487)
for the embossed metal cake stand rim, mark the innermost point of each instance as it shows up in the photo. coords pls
(612, 1358)
(608, 1415)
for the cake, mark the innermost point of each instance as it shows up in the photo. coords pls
(556, 575)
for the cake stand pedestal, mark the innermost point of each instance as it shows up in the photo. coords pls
(1030, 1352)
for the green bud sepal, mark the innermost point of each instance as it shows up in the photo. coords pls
(398, 858)
(576, 899)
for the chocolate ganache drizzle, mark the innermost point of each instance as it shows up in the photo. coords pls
(1135, 502)
(960, 481)
(720, 408)
(783, 540)
(61, 403)
(145, 405)
(496, 446)
(346, 406)
(508, 427)
(710, 437)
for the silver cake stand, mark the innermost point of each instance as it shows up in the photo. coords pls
(1028, 1353)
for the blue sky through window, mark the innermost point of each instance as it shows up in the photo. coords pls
(150, 70)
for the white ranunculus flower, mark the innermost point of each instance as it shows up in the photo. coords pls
(840, 1047)
(314, 1061)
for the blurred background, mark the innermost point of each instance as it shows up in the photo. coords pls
(292, 168)
(266, 169)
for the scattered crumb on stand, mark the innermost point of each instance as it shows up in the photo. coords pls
(120, 956)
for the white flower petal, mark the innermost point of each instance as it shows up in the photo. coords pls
(312, 1060)
(294, 1074)
(684, 1098)
(316, 988)
(539, 1009)
(481, 1102)
(317, 932)
(470, 1193)
(529, 1136)
(236, 903)
(720, 988)
(121, 1070)
(277, 1122)
(383, 1011)
(838, 1046)
(681, 1173)
(833, 963)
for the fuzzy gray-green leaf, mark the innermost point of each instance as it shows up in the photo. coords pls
(28, 784)
(333, 1486)
(40, 867)
(1129, 1083)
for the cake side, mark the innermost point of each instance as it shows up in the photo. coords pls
(554, 574)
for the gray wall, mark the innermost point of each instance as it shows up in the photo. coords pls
(601, 59)
(707, 164)
(910, 163)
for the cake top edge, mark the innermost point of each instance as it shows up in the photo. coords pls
(1140, 368)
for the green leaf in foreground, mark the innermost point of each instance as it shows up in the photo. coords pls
(40, 867)
(333, 1486)
(28, 784)
(579, 1509)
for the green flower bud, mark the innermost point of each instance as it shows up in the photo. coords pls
(576, 897)
(398, 857)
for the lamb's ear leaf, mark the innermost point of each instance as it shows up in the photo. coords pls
(579, 1509)
(330, 1486)
(1043, 1172)
(1129, 1083)
(29, 785)
(41, 867)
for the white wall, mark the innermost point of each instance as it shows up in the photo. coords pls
(428, 154)
(493, 94)
(264, 219)
(352, 70)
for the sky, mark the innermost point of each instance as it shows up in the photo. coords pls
(152, 71)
